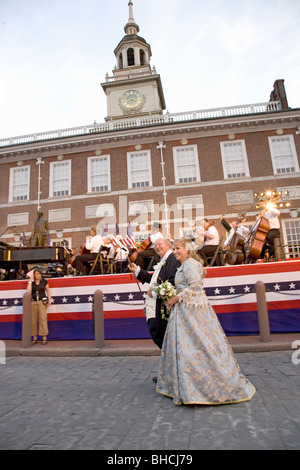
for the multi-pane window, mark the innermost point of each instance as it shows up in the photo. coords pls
(283, 153)
(99, 174)
(234, 159)
(139, 169)
(19, 184)
(60, 179)
(186, 164)
(292, 230)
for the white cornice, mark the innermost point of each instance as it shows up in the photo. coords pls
(167, 131)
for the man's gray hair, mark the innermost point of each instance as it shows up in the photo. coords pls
(166, 240)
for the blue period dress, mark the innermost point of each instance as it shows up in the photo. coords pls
(197, 364)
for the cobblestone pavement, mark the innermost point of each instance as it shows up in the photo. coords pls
(110, 403)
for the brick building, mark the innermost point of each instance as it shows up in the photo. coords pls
(143, 164)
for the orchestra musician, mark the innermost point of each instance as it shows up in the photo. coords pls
(211, 242)
(235, 252)
(146, 254)
(93, 245)
(198, 236)
(272, 215)
(236, 228)
(106, 241)
(121, 254)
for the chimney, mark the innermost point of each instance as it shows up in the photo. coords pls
(278, 93)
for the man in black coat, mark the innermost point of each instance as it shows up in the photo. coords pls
(165, 270)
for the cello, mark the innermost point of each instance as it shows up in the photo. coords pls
(256, 239)
(236, 249)
(143, 247)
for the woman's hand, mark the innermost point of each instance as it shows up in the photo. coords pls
(172, 301)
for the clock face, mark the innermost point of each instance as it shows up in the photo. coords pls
(132, 99)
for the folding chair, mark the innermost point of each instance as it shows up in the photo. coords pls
(101, 259)
(219, 251)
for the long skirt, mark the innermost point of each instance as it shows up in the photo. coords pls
(197, 364)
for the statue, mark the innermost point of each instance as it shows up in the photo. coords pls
(40, 231)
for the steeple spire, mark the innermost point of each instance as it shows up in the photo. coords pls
(130, 4)
(131, 27)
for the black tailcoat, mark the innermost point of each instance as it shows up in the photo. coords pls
(157, 326)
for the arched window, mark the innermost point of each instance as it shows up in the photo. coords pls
(130, 56)
(142, 57)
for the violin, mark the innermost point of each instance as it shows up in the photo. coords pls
(256, 239)
(143, 247)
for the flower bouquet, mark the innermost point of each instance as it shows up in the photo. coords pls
(165, 291)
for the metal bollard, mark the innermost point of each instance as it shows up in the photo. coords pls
(2, 352)
(262, 310)
(26, 320)
(98, 319)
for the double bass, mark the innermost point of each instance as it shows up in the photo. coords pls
(256, 239)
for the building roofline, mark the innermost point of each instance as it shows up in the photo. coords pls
(95, 130)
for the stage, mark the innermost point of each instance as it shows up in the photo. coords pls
(231, 290)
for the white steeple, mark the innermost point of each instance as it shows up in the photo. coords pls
(131, 27)
(135, 88)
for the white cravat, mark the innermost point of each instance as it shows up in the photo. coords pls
(150, 303)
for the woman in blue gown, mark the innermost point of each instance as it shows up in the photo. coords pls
(197, 364)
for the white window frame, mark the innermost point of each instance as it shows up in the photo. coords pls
(89, 163)
(147, 153)
(286, 223)
(223, 146)
(11, 186)
(52, 164)
(60, 242)
(290, 137)
(196, 178)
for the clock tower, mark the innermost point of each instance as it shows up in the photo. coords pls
(135, 89)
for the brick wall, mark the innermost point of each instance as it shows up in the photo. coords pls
(212, 187)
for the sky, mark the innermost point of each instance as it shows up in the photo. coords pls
(54, 55)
